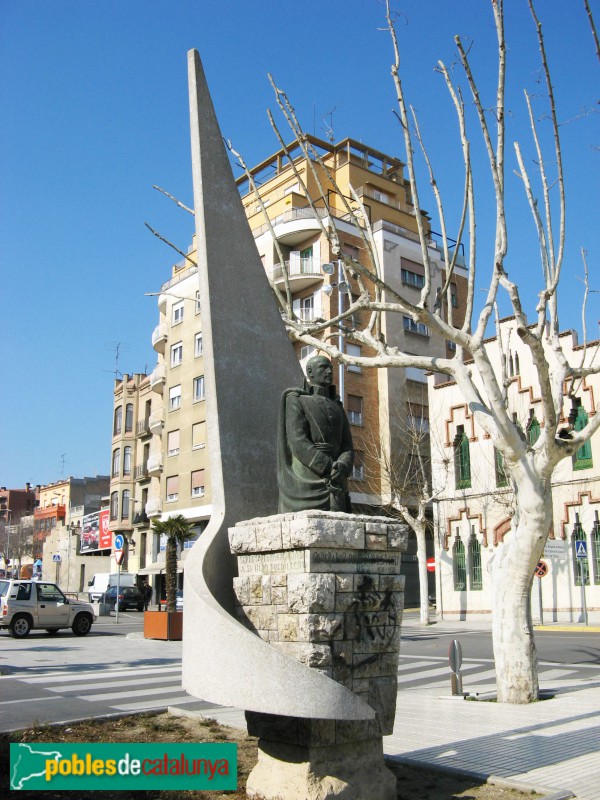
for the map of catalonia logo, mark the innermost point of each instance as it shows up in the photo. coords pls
(84, 766)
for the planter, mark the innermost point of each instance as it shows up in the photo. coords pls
(167, 625)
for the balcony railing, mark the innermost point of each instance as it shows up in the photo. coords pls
(159, 337)
(141, 471)
(157, 420)
(158, 377)
(304, 266)
(155, 464)
(154, 507)
(143, 427)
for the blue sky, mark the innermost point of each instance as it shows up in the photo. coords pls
(93, 96)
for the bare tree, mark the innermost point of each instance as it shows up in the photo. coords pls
(528, 466)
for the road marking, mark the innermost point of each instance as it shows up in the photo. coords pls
(157, 704)
(116, 684)
(70, 678)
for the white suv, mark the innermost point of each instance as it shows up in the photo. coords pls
(35, 604)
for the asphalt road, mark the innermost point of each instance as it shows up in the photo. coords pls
(65, 678)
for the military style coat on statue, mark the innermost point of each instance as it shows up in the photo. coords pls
(314, 433)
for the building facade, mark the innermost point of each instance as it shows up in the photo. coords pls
(475, 504)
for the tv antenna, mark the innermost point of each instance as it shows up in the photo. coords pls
(62, 465)
(117, 348)
(328, 126)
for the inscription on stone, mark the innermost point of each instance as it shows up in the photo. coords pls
(357, 561)
(270, 563)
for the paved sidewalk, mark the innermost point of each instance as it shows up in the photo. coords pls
(548, 746)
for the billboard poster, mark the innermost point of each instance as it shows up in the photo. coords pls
(90, 533)
(105, 534)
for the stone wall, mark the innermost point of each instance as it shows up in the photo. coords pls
(326, 589)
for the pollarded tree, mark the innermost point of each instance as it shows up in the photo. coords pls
(528, 466)
(177, 530)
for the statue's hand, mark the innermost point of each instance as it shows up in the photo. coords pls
(338, 472)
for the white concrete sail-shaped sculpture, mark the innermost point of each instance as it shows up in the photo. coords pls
(248, 362)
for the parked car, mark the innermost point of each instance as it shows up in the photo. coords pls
(129, 597)
(179, 601)
(37, 604)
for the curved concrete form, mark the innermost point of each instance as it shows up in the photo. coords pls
(248, 361)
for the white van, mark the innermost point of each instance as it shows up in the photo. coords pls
(104, 580)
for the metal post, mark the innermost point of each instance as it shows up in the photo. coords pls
(540, 599)
(582, 576)
(341, 338)
(118, 591)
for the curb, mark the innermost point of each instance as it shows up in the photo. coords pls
(494, 780)
(568, 628)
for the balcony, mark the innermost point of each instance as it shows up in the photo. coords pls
(158, 377)
(293, 226)
(154, 507)
(155, 465)
(143, 427)
(302, 273)
(162, 302)
(141, 519)
(141, 472)
(159, 337)
(156, 421)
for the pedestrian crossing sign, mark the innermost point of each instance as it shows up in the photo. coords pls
(581, 549)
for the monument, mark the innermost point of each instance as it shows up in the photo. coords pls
(298, 622)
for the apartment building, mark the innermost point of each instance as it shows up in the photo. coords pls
(474, 503)
(381, 404)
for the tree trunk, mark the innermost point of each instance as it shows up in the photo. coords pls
(419, 529)
(513, 570)
(171, 573)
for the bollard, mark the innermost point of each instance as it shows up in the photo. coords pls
(455, 659)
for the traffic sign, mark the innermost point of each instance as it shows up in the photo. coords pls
(56, 557)
(541, 569)
(431, 565)
(119, 541)
(119, 556)
(581, 548)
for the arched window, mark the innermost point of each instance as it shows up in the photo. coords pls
(581, 565)
(127, 461)
(459, 565)
(116, 462)
(583, 457)
(533, 430)
(118, 420)
(129, 418)
(114, 505)
(475, 575)
(462, 459)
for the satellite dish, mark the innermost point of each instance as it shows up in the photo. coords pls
(328, 289)
(329, 269)
(343, 287)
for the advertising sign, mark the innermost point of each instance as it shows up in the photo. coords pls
(105, 537)
(90, 533)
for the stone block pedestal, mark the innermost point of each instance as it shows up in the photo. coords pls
(324, 588)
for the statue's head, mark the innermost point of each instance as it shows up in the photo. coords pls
(319, 371)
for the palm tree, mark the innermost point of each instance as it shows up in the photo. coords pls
(178, 530)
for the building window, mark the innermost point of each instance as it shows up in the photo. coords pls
(127, 461)
(177, 313)
(173, 443)
(176, 354)
(198, 435)
(583, 457)
(595, 537)
(174, 397)
(198, 345)
(581, 566)
(462, 459)
(355, 409)
(114, 505)
(306, 310)
(198, 388)
(125, 504)
(358, 467)
(453, 299)
(451, 345)
(415, 327)
(198, 307)
(128, 417)
(533, 429)
(118, 423)
(353, 350)
(172, 488)
(459, 565)
(501, 478)
(198, 483)
(306, 260)
(116, 463)
(417, 418)
(412, 278)
(475, 574)
(306, 351)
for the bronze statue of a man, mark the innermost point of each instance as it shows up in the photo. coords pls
(314, 449)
